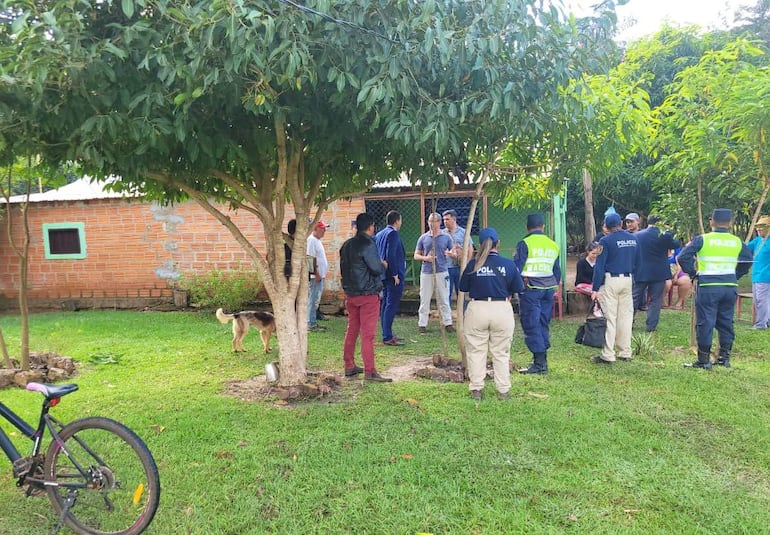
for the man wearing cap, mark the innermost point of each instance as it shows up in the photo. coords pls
(318, 266)
(653, 269)
(760, 274)
(537, 258)
(613, 286)
(457, 233)
(718, 259)
(391, 249)
(632, 222)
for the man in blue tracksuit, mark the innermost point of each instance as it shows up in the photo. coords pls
(718, 259)
(537, 258)
(391, 249)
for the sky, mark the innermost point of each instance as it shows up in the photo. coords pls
(643, 17)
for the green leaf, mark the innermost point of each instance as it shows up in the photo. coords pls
(128, 8)
(181, 98)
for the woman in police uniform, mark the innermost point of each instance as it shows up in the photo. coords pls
(490, 280)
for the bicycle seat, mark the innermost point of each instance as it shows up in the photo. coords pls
(52, 391)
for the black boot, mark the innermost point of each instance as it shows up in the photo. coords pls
(724, 357)
(704, 359)
(539, 364)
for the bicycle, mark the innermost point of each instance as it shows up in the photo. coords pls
(98, 474)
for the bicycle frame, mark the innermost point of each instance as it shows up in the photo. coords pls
(19, 423)
(36, 435)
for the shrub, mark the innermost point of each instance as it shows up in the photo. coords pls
(643, 344)
(231, 290)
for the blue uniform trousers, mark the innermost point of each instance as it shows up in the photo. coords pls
(535, 310)
(391, 297)
(454, 281)
(714, 307)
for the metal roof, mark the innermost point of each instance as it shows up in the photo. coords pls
(83, 189)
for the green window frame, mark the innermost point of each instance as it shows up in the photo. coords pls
(64, 241)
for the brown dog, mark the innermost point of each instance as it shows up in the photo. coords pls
(264, 321)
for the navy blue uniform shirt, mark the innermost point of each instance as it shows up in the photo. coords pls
(498, 278)
(619, 255)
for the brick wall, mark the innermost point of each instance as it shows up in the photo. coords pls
(134, 250)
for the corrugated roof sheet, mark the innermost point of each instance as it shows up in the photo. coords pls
(83, 189)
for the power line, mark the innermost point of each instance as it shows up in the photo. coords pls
(341, 22)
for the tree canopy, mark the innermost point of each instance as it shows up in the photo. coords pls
(252, 104)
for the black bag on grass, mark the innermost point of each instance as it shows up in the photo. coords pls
(591, 333)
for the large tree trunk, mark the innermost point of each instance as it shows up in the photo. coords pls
(588, 203)
(268, 204)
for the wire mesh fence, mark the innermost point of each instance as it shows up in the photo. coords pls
(415, 206)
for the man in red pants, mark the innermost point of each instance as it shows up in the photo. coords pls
(362, 271)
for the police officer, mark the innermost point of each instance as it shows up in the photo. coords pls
(537, 257)
(612, 287)
(489, 280)
(718, 259)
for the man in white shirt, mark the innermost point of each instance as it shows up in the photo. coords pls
(318, 266)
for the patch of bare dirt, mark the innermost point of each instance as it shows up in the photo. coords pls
(329, 387)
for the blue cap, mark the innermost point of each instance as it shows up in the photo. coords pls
(535, 220)
(722, 215)
(612, 221)
(488, 233)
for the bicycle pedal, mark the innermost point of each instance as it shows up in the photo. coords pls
(22, 466)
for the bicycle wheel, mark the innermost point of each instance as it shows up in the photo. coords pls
(105, 480)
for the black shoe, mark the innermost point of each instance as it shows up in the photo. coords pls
(598, 360)
(316, 329)
(477, 395)
(377, 378)
(423, 330)
(449, 329)
(626, 359)
(534, 369)
(355, 371)
(503, 396)
(698, 364)
(393, 342)
(723, 361)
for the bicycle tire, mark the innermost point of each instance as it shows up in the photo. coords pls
(127, 491)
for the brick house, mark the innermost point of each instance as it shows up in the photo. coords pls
(92, 248)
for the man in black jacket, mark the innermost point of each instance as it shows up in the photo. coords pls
(362, 271)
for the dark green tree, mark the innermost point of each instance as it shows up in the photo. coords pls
(248, 105)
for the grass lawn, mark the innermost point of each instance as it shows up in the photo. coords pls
(639, 447)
